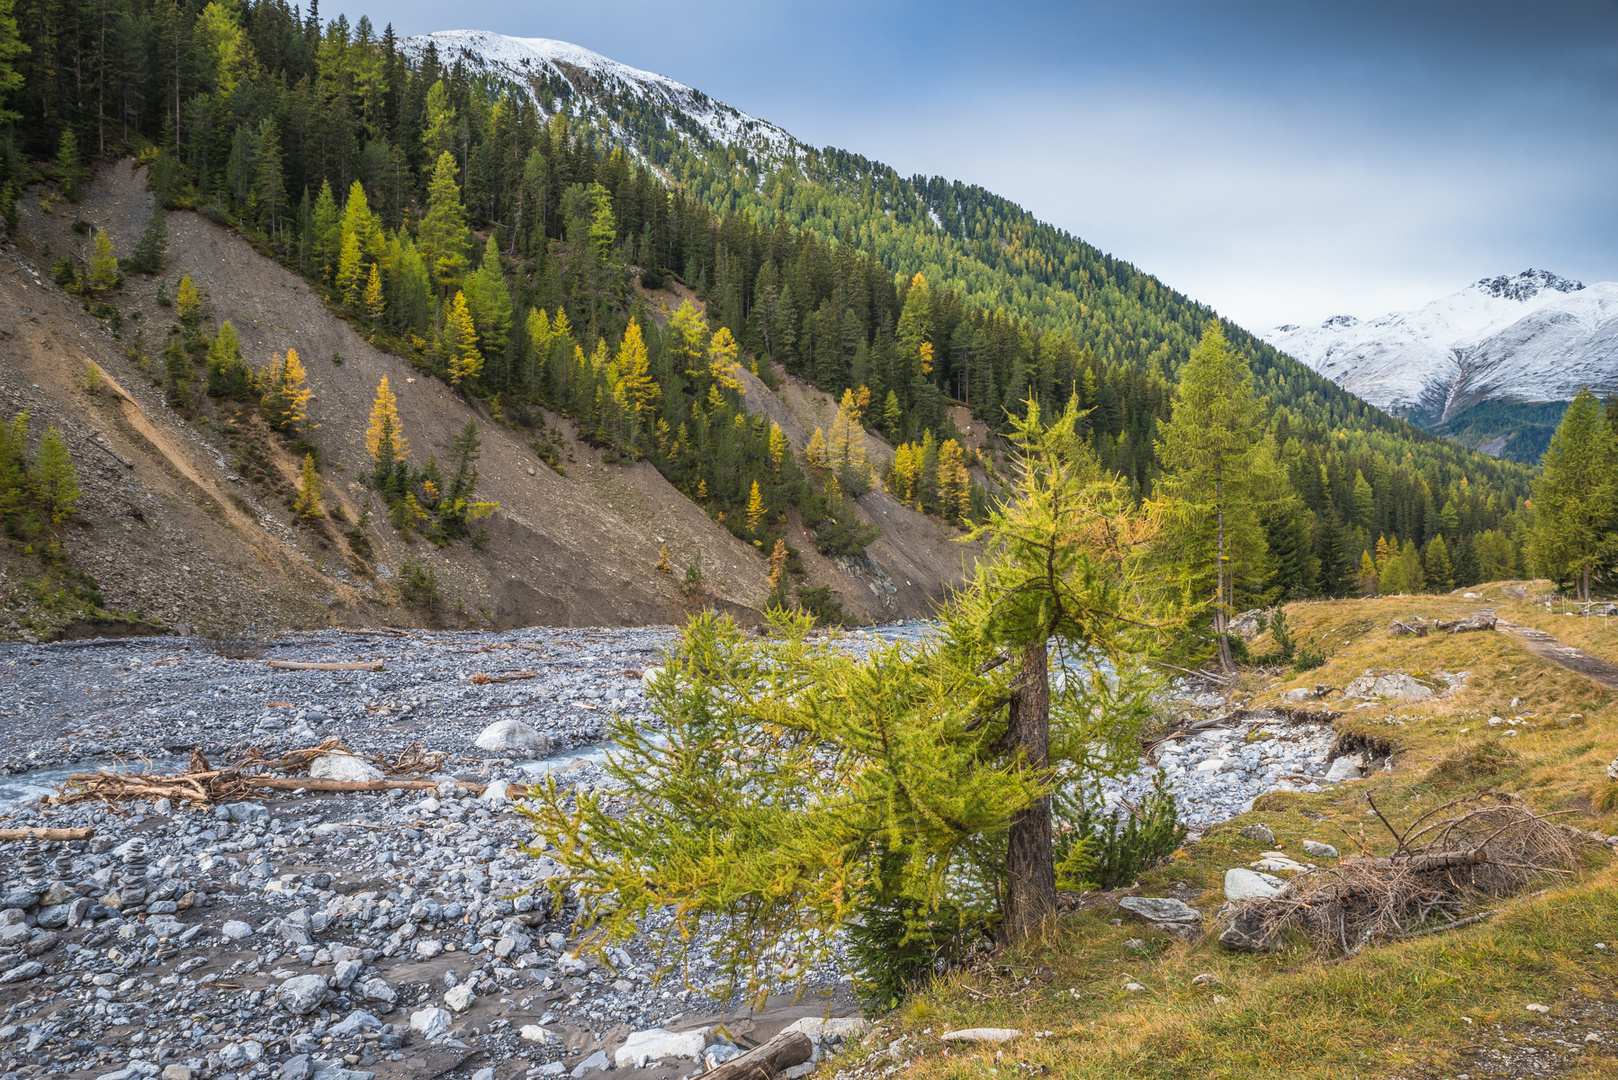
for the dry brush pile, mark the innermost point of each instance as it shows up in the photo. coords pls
(1447, 859)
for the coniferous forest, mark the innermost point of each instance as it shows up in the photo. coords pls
(505, 239)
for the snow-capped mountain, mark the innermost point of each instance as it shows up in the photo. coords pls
(629, 102)
(1531, 337)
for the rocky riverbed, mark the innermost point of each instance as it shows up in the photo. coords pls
(341, 936)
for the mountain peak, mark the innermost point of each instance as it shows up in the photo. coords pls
(1526, 285)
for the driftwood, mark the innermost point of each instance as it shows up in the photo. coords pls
(1421, 628)
(303, 665)
(1487, 848)
(510, 676)
(768, 1061)
(1410, 629)
(201, 784)
(46, 834)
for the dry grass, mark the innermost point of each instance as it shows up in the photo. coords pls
(1421, 1007)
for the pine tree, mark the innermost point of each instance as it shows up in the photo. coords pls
(461, 340)
(892, 416)
(384, 435)
(307, 505)
(153, 245)
(1217, 478)
(490, 302)
(351, 276)
(1440, 571)
(1575, 496)
(1368, 577)
(845, 451)
(286, 397)
(443, 235)
(69, 166)
(328, 238)
(54, 476)
(103, 275)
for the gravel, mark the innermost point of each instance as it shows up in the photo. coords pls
(337, 936)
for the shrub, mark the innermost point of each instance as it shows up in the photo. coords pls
(1106, 852)
(818, 601)
(418, 585)
(898, 945)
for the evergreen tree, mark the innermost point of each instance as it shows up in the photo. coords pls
(54, 476)
(286, 397)
(442, 237)
(69, 166)
(188, 302)
(1440, 572)
(1575, 497)
(228, 374)
(153, 245)
(307, 505)
(461, 341)
(1217, 479)
(103, 276)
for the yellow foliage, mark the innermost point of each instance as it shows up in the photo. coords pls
(188, 301)
(815, 452)
(778, 444)
(755, 508)
(384, 438)
(286, 398)
(722, 363)
(309, 491)
(461, 339)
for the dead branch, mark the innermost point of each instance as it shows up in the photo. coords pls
(510, 676)
(302, 665)
(46, 834)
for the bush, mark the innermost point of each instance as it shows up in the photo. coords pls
(847, 537)
(818, 601)
(1307, 659)
(898, 945)
(418, 585)
(1106, 852)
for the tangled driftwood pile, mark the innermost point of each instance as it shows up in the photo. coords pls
(1421, 628)
(202, 784)
(1440, 864)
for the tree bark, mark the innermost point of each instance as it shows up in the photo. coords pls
(768, 1061)
(1030, 865)
(1221, 625)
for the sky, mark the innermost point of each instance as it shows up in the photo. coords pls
(1280, 161)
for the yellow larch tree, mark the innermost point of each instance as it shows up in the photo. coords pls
(722, 365)
(286, 397)
(189, 301)
(461, 339)
(375, 303)
(755, 508)
(634, 374)
(815, 452)
(846, 450)
(384, 438)
(778, 445)
(954, 486)
(309, 492)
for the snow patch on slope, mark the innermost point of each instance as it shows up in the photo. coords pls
(1526, 337)
(593, 79)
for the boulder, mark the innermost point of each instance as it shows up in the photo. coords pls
(596, 1062)
(1612, 770)
(1258, 831)
(355, 1023)
(460, 998)
(1245, 933)
(345, 767)
(494, 793)
(1319, 850)
(659, 1044)
(431, 1023)
(377, 989)
(1393, 685)
(1157, 909)
(514, 739)
(23, 972)
(302, 994)
(236, 930)
(1244, 884)
(835, 1027)
(237, 1055)
(1347, 767)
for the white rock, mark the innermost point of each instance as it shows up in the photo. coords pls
(377, 989)
(431, 1023)
(834, 1027)
(996, 1035)
(1244, 884)
(344, 767)
(658, 1044)
(427, 948)
(1396, 685)
(460, 998)
(302, 994)
(1612, 770)
(1319, 850)
(236, 930)
(484, 1074)
(1539, 1008)
(345, 972)
(1281, 865)
(1346, 767)
(235, 1055)
(495, 792)
(513, 737)
(534, 1033)
(1213, 764)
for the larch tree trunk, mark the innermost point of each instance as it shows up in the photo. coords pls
(1030, 864)
(1221, 615)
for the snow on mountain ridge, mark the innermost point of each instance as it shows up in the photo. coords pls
(1533, 336)
(592, 79)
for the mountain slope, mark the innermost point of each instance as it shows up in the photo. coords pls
(1515, 340)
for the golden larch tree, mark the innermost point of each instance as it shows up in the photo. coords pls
(461, 339)
(384, 438)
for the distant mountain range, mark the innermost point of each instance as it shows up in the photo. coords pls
(1491, 365)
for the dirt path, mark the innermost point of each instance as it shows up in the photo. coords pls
(1546, 647)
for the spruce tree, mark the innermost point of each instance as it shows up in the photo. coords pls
(103, 276)
(153, 245)
(1575, 497)
(54, 476)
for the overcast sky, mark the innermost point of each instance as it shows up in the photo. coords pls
(1281, 161)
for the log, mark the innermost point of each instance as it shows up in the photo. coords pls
(294, 783)
(46, 834)
(1472, 622)
(302, 665)
(510, 676)
(768, 1061)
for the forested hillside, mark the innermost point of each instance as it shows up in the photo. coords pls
(496, 235)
